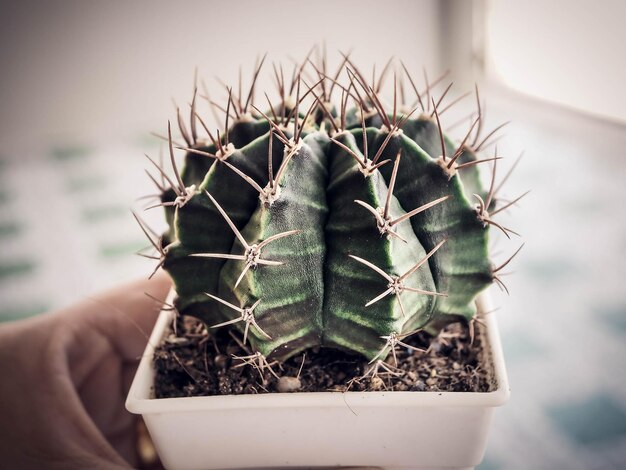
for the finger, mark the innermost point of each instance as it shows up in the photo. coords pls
(125, 315)
(48, 424)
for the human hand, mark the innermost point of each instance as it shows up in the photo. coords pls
(64, 380)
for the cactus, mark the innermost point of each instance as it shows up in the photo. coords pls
(311, 224)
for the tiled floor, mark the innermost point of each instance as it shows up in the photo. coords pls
(564, 325)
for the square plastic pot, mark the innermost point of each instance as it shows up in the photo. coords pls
(419, 430)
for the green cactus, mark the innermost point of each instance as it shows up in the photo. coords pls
(348, 226)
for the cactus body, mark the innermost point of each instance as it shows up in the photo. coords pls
(321, 244)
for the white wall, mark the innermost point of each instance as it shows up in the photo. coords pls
(569, 52)
(75, 68)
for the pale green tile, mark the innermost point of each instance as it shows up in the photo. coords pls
(10, 229)
(85, 183)
(70, 152)
(488, 464)
(20, 312)
(91, 215)
(17, 268)
(122, 249)
(594, 420)
(145, 141)
(614, 317)
(520, 346)
(553, 269)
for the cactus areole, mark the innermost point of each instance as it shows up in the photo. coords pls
(327, 218)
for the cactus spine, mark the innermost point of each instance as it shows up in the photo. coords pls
(312, 224)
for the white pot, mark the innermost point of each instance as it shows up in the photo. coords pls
(376, 429)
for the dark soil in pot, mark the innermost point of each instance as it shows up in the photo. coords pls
(192, 362)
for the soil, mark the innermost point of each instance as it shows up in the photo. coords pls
(190, 362)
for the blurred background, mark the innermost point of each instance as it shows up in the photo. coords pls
(82, 84)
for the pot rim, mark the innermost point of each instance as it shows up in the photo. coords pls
(141, 401)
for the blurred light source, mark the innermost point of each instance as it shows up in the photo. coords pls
(566, 51)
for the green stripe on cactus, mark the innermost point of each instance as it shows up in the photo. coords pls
(243, 132)
(196, 166)
(297, 285)
(200, 228)
(470, 177)
(461, 267)
(350, 285)
(425, 133)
